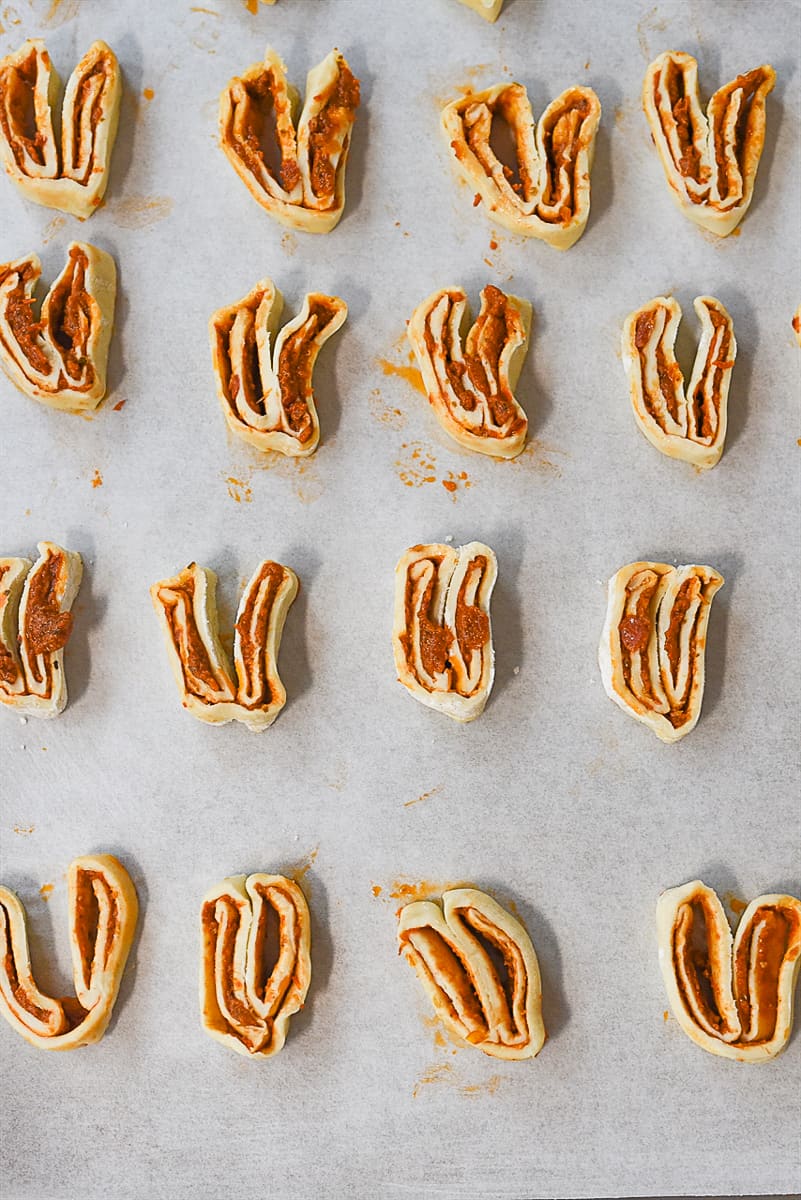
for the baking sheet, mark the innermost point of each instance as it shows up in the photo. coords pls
(554, 799)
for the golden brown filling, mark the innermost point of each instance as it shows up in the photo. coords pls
(18, 110)
(687, 594)
(295, 366)
(261, 147)
(100, 68)
(718, 360)
(185, 635)
(87, 918)
(70, 319)
(325, 132)
(495, 326)
(451, 975)
(472, 623)
(19, 992)
(19, 315)
(668, 373)
(562, 142)
(46, 628)
(225, 936)
(252, 627)
(635, 630)
(742, 90)
(756, 970)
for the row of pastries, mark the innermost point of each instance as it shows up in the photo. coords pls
(733, 996)
(651, 655)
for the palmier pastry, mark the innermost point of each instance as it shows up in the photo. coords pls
(471, 389)
(548, 196)
(441, 635)
(306, 189)
(244, 1002)
(455, 951)
(187, 610)
(653, 643)
(103, 915)
(732, 996)
(264, 376)
(72, 175)
(59, 358)
(710, 161)
(35, 625)
(490, 10)
(683, 423)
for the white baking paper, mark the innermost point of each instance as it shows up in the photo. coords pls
(554, 800)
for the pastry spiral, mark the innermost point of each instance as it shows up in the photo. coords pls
(441, 636)
(490, 10)
(653, 643)
(687, 423)
(60, 358)
(103, 915)
(35, 626)
(70, 176)
(448, 949)
(711, 161)
(306, 190)
(471, 387)
(550, 199)
(731, 996)
(268, 398)
(187, 611)
(245, 1001)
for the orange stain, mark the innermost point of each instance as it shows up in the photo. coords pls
(436, 1073)
(52, 228)
(138, 212)
(493, 244)
(476, 1089)
(302, 868)
(238, 490)
(148, 93)
(46, 890)
(24, 830)
(382, 412)
(424, 796)
(410, 374)
(736, 905)
(97, 479)
(120, 405)
(252, 6)
(377, 889)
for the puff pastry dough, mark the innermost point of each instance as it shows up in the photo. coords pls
(652, 647)
(60, 358)
(71, 175)
(551, 198)
(471, 388)
(490, 10)
(732, 996)
(448, 949)
(683, 423)
(103, 915)
(441, 635)
(711, 161)
(187, 610)
(267, 398)
(35, 625)
(245, 1002)
(307, 189)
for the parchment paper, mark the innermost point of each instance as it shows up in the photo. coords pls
(554, 799)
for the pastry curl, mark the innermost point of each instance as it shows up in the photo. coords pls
(455, 949)
(683, 423)
(103, 915)
(732, 997)
(711, 161)
(550, 199)
(246, 1000)
(296, 174)
(653, 644)
(60, 358)
(470, 388)
(441, 635)
(490, 10)
(70, 176)
(268, 399)
(187, 610)
(35, 626)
